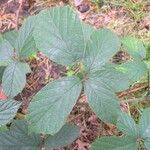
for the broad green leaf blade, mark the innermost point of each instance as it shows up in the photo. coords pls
(101, 99)
(8, 110)
(14, 78)
(127, 125)
(1, 72)
(6, 53)
(134, 47)
(11, 37)
(87, 31)
(64, 137)
(115, 143)
(60, 35)
(17, 138)
(103, 44)
(121, 77)
(144, 124)
(147, 143)
(45, 110)
(25, 44)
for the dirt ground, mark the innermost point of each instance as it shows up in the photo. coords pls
(117, 16)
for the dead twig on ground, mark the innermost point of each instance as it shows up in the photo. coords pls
(18, 13)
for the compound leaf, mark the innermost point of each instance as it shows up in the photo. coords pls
(8, 110)
(102, 99)
(60, 35)
(115, 143)
(127, 125)
(6, 53)
(64, 137)
(17, 138)
(45, 110)
(103, 44)
(14, 78)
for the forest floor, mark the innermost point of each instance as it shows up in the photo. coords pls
(125, 17)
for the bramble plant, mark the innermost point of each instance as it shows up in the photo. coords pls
(87, 52)
(135, 134)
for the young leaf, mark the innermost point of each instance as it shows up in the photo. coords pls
(64, 137)
(49, 109)
(144, 124)
(25, 44)
(6, 53)
(60, 35)
(17, 138)
(101, 98)
(103, 44)
(115, 143)
(14, 78)
(127, 125)
(11, 37)
(134, 47)
(8, 110)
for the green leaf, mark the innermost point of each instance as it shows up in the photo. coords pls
(60, 35)
(11, 37)
(103, 44)
(144, 124)
(1, 72)
(134, 47)
(147, 143)
(14, 78)
(45, 110)
(17, 138)
(8, 110)
(135, 70)
(121, 77)
(115, 143)
(3, 128)
(64, 137)
(102, 99)
(25, 44)
(127, 125)
(6, 53)
(87, 30)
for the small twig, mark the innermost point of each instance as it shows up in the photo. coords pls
(147, 98)
(130, 91)
(18, 13)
